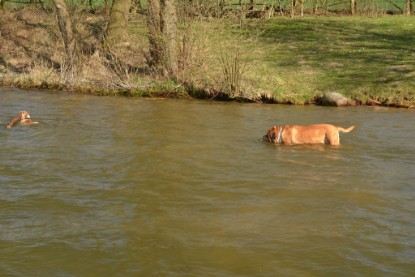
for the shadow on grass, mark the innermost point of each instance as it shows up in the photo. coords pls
(349, 53)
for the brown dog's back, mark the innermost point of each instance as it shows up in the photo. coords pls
(312, 134)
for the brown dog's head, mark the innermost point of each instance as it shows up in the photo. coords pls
(18, 117)
(272, 134)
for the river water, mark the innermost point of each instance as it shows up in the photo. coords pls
(112, 186)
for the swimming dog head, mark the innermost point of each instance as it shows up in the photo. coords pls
(20, 117)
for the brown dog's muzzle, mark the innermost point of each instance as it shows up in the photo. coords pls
(271, 135)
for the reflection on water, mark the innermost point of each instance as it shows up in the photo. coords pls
(121, 186)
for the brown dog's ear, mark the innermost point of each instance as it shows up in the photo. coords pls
(274, 133)
(270, 134)
(24, 115)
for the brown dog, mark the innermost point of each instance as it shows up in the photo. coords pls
(313, 134)
(22, 117)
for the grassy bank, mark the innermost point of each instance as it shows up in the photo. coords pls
(369, 60)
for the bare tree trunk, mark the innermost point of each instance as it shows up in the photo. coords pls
(280, 8)
(117, 30)
(315, 7)
(409, 7)
(155, 37)
(65, 27)
(352, 7)
(326, 7)
(302, 2)
(162, 26)
(293, 4)
(170, 30)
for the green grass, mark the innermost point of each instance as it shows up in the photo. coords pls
(296, 60)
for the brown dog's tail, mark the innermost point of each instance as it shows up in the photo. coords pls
(345, 130)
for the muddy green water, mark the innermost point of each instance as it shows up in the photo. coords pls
(107, 186)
